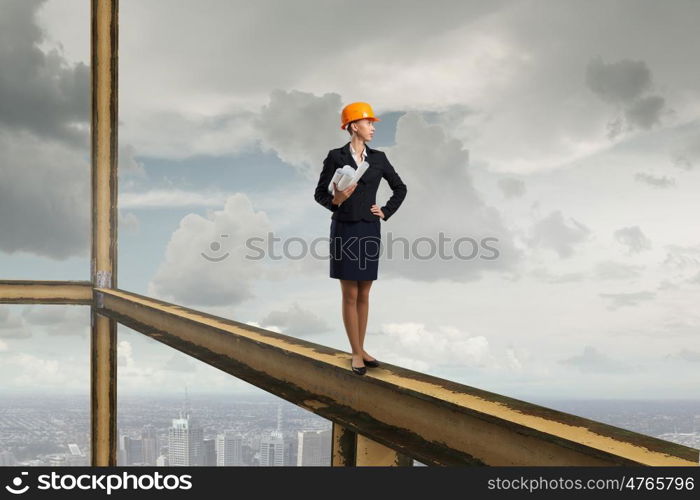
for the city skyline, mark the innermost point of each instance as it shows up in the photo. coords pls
(253, 420)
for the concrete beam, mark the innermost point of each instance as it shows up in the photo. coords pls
(435, 421)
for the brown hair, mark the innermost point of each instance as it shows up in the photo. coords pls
(348, 128)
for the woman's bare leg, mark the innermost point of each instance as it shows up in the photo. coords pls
(362, 313)
(349, 290)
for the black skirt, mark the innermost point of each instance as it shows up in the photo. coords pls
(354, 249)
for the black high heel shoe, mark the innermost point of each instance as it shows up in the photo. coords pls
(374, 363)
(360, 370)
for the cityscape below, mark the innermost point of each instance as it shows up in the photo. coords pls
(251, 430)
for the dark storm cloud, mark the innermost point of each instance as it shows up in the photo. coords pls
(44, 153)
(44, 198)
(44, 141)
(645, 112)
(40, 93)
(623, 84)
(621, 81)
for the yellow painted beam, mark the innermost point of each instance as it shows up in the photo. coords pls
(435, 421)
(103, 359)
(343, 446)
(45, 292)
(371, 453)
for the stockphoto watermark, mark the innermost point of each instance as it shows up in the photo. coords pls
(94, 481)
(360, 248)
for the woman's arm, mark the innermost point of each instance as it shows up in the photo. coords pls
(397, 186)
(321, 194)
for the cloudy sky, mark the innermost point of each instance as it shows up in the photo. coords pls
(566, 134)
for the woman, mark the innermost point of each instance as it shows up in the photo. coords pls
(355, 236)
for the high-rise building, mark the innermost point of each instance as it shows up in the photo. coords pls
(272, 450)
(314, 448)
(185, 442)
(130, 450)
(209, 453)
(229, 449)
(149, 444)
(290, 449)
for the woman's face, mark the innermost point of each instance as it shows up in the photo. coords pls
(364, 129)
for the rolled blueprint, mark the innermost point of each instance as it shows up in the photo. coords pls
(346, 176)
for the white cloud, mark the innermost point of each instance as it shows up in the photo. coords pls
(30, 371)
(162, 198)
(12, 326)
(592, 360)
(180, 363)
(208, 261)
(273, 328)
(441, 197)
(125, 356)
(128, 221)
(439, 346)
(295, 321)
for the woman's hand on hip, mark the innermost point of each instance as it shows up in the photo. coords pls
(377, 211)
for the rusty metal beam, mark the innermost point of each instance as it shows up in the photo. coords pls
(103, 340)
(45, 292)
(349, 449)
(343, 446)
(371, 453)
(435, 421)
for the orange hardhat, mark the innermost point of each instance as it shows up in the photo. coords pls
(356, 111)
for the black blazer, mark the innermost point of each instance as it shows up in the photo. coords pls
(357, 206)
